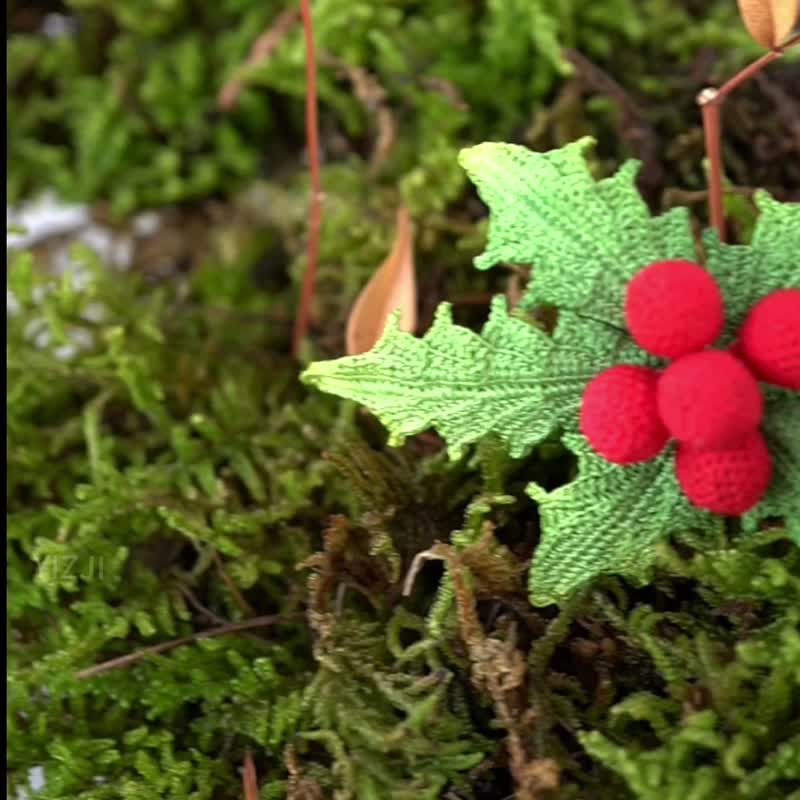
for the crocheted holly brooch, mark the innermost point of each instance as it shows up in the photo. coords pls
(708, 401)
(674, 378)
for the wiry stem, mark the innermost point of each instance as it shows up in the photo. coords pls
(710, 101)
(222, 630)
(315, 208)
(262, 49)
(249, 778)
(748, 72)
(232, 587)
(712, 130)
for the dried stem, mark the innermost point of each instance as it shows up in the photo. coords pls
(198, 606)
(436, 553)
(262, 49)
(710, 101)
(232, 587)
(249, 778)
(222, 630)
(315, 208)
(748, 72)
(712, 130)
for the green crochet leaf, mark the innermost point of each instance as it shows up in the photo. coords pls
(782, 429)
(607, 521)
(585, 238)
(513, 379)
(583, 347)
(462, 384)
(747, 273)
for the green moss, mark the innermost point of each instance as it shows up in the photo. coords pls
(174, 439)
(726, 722)
(166, 469)
(125, 111)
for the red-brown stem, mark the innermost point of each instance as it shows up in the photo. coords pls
(315, 208)
(710, 101)
(713, 138)
(748, 72)
(156, 649)
(249, 778)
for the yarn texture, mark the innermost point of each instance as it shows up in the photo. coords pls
(673, 308)
(619, 414)
(709, 399)
(769, 339)
(725, 481)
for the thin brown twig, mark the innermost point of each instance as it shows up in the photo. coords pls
(315, 208)
(710, 101)
(156, 649)
(712, 132)
(445, 88)
(374, 98)
(435, 553)
(232, 587)
(262, 49)
(249, 778)
(195, 603)
(634, 126)
(198, 606)
(748, 72)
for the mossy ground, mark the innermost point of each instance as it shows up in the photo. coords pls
(168, 475)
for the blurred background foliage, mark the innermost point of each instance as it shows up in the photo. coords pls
(168, 476)
(117, 102)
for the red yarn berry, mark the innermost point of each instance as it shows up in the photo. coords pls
(709, 399)
(619, 414)
(769, 339)
(726, 481)
(673, 308)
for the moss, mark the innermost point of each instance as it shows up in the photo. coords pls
(169, 476)
(124, 111)
(165, 479)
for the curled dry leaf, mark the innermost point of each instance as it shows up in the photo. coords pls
(392, 287)
(770, 22)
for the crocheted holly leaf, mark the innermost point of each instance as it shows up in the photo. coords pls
(582, 347)
(607, 520)
(585, 238)
(781, 428)
(746, 273)
(512, 380)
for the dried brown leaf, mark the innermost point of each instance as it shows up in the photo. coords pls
(770, 22)
(392, 287)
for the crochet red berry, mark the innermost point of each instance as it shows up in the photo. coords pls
(727, 481)
(619, 414)
(769, 339)
(709, 399)
(673, 308)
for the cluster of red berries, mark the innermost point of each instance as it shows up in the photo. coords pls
(709, 401)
